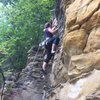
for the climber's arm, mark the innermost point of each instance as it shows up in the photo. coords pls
(52, 30)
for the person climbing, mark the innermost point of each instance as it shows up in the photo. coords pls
(50, 45)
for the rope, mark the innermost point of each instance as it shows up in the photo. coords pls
(36, 54)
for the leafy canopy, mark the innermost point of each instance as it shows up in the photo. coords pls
(21, 26)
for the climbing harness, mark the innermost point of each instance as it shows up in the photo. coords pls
(43, 43)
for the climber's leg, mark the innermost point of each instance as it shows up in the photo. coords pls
(44, 67)
(54, 44)
(50, 50)
(46, 58)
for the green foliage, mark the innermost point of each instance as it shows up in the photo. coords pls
(6, 2)
(1, 80)
(21, 27)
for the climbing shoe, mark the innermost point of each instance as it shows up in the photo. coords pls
(43, 75)
(52, 55)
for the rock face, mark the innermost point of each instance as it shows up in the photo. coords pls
(29, 86)
(79, 67)
(76, 66)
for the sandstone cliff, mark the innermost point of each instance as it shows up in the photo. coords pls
(79, 70)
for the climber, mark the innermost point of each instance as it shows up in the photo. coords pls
(51, 44)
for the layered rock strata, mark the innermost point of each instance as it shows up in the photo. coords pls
(81, 53)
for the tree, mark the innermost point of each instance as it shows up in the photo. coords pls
(22, 27)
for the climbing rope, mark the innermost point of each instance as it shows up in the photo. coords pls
(36, 53)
